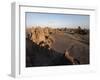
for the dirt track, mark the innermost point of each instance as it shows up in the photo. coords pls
(78, 49)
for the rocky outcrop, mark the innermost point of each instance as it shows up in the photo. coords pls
(42, 56)
(40, 36)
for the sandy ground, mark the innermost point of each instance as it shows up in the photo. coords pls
(77, 47)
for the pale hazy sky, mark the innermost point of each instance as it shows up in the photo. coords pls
(57, 20)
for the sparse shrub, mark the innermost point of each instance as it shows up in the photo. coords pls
(81, 31)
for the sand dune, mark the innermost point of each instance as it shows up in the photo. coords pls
(79, 50)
